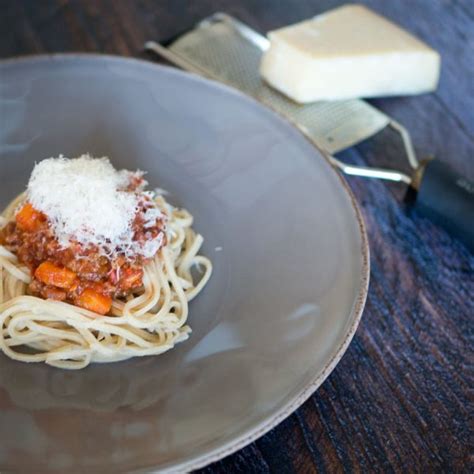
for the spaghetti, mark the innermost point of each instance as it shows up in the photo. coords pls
(149, 319)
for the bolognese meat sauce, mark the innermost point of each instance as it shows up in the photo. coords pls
(80, 275)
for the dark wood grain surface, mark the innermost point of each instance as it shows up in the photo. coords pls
(401, 399)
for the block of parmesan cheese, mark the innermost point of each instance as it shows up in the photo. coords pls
(349, 52)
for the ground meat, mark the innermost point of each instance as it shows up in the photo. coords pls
(49, 292)
(115, 278)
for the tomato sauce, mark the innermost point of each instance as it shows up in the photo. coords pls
(93, 272)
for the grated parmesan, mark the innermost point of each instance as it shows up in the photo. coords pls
(86, 201)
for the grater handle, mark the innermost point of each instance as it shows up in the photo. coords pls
(447, 198)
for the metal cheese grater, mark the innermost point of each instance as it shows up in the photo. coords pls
(225, 49)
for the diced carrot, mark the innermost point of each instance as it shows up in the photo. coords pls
(53, 275)
(130, 278)
(29, 219)
(94, 301)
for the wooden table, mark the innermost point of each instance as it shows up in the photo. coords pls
(399, 401)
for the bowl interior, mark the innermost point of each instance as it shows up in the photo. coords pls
(279, 226)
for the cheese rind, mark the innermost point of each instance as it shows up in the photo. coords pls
(350, 52)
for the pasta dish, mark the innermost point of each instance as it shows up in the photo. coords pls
(94, 267)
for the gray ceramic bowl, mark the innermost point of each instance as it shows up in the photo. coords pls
(284, 301)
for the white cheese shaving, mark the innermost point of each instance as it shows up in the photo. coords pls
(151, 215)
(86, 201)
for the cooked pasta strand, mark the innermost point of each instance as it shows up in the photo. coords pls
(69, 337)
